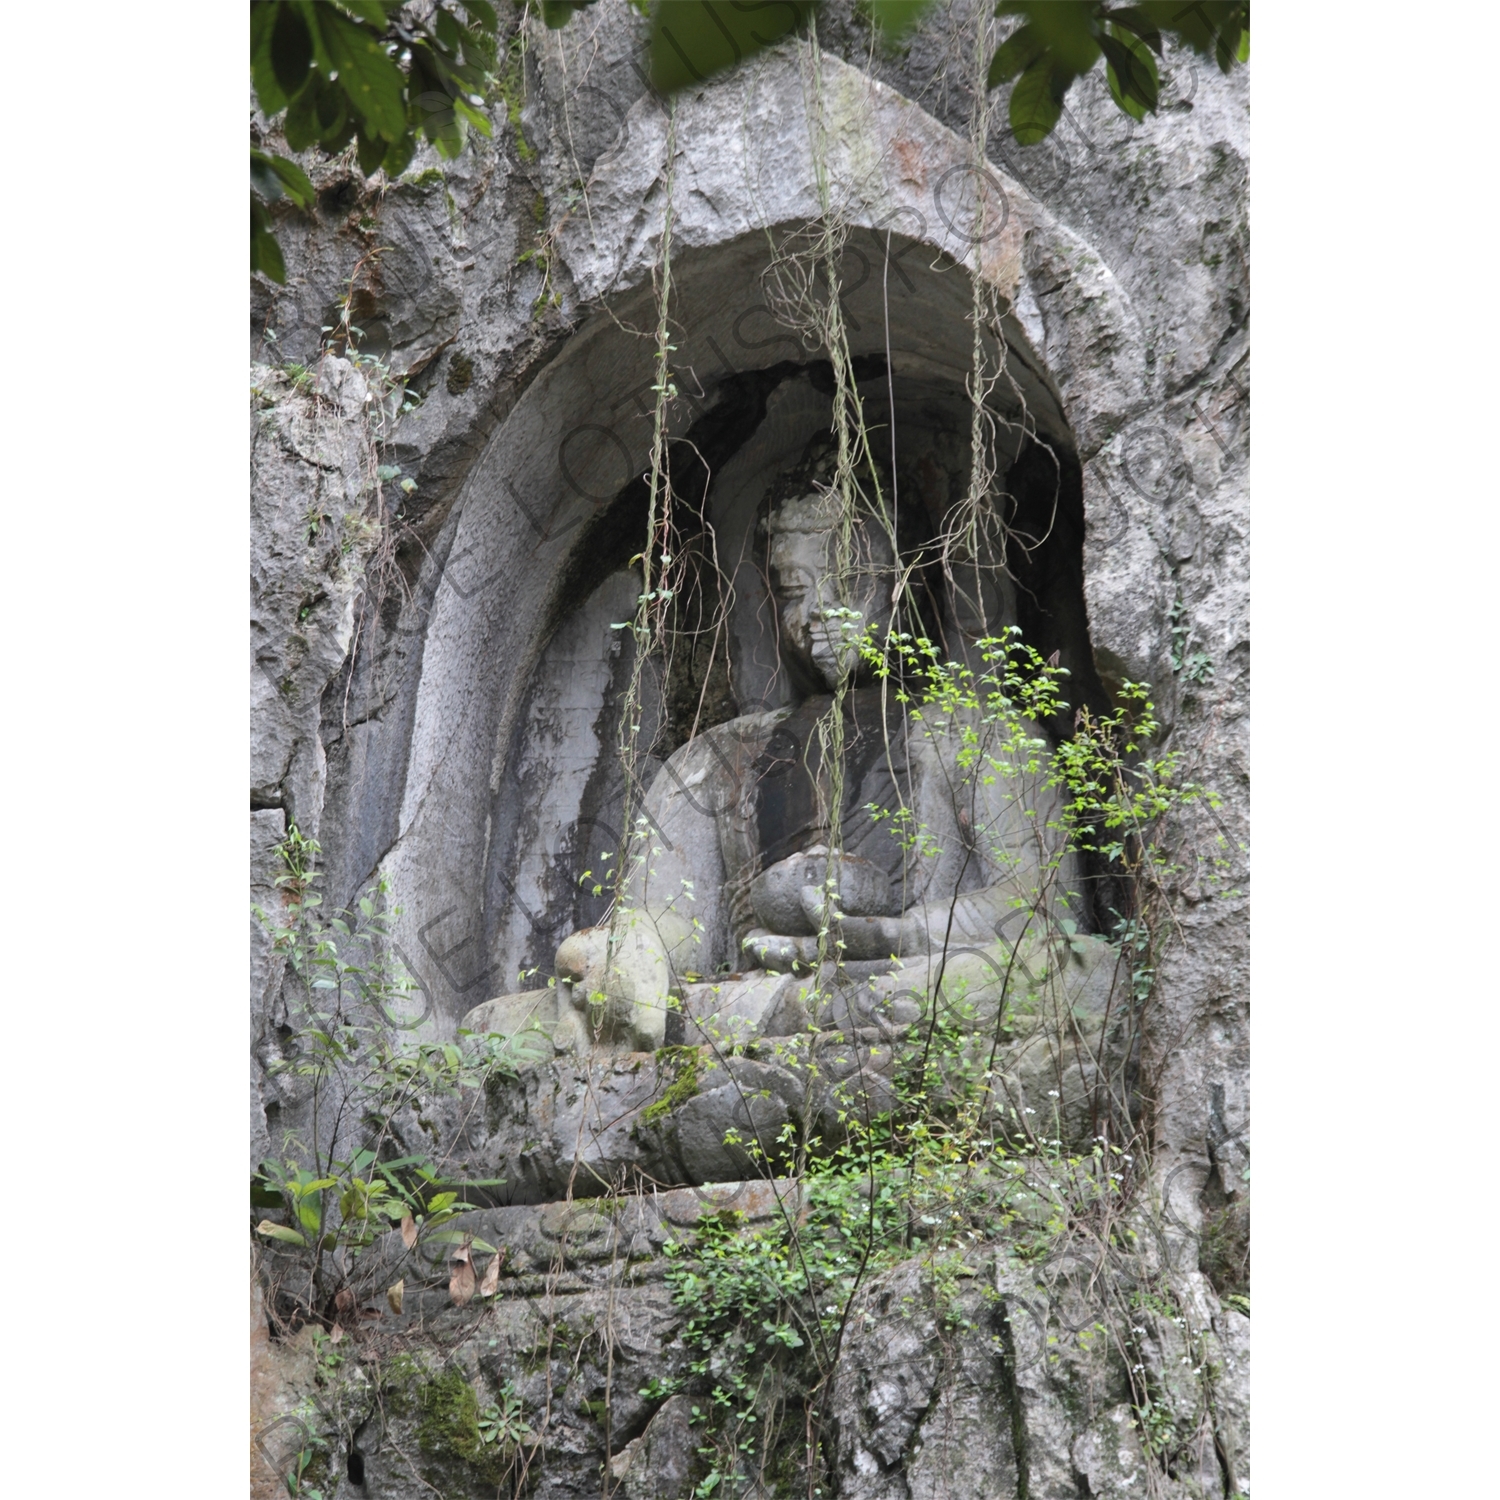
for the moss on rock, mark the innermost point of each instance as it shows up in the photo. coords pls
(683, 1087)
(448, 1427)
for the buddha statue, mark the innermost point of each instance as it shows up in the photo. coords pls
(762, 854)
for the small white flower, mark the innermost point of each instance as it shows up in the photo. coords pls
(1053, 1094)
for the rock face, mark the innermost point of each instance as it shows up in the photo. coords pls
(444, 522)
(958, 1374)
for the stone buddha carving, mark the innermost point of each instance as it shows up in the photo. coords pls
(736, 879)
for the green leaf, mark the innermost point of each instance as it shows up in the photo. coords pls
(301, 126)
(1131, 74)
(336, 120)
(484, 13)
(268, 93)
(478, 121)
(370, 80)
(298, 187)
(265, 253)
(1213, 28)
(1066, 28)
(291, 51)
(690, 43)
(370, 153)
(1139, 22)
(273, 176)
(280, 1232)
(1014, 55)
(449, 35)
(262, 179)
(370, 11)
(557, 13)
(1035, 104)
(458, 1237)
(398, 158)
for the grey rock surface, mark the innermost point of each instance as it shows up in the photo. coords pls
(959, 1374)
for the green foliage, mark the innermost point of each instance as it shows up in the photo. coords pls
(1196, 666)
(1061, 40)
(353, 991)
(1116, 793)
(503, 1427)
(1057, 42)
(309, 1471)
(949, 1166)
(355, 72)
(452, 1426)
(766, 1308)
(557, 13)
(690, 43)
(349, 71)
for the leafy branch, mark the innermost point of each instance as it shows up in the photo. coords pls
(345, 71)
(334, 1199)
(358, 71)
(1057, 42)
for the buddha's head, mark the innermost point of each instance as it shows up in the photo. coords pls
(819, 606)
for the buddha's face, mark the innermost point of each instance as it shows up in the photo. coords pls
(813, 630)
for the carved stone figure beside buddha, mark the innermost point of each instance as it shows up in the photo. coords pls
(945, 865)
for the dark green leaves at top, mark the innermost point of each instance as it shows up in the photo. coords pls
(1068, 30)
(557, 13)
(1015, 54)
(1036, 101)
(1136, 19)
(274, 177)
(341, 71)
(268, 92)
(371, 11)
(1219, 29)
(694, 39)
(1130, 72)
(1059, 40)
(371, 81)
(291, 50)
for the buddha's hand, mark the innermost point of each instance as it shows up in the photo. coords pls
(618, 982)
(863, 937)
(778, 951)
(860, 938)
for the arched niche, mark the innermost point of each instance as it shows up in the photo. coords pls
(508, 767)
